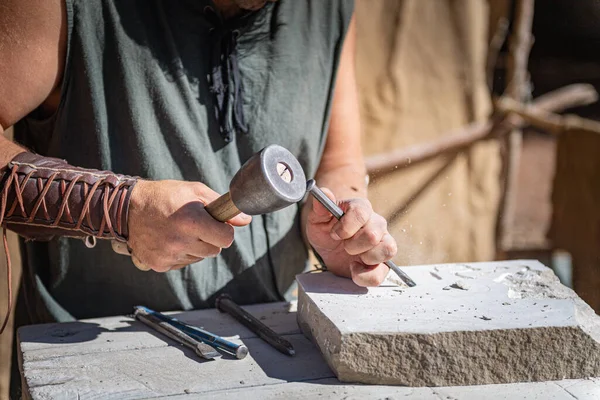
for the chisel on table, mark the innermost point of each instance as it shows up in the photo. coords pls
(225, 303)
(312, 188)
(238, 350)
(201, 349)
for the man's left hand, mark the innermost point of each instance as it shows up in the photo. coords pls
(355, 246)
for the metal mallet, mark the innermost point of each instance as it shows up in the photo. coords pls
(270, 180)
(312, 188)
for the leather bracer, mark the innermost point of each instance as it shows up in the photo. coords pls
(43, 197)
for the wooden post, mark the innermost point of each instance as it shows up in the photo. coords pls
(518, 88)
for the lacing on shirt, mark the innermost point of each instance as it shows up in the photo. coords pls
(225, 78)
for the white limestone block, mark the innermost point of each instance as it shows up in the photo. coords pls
(463, 324)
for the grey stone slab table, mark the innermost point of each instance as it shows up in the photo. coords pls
(120, 358)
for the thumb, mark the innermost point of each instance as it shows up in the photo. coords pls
(240, 220)
(320, 213)
(207, 196)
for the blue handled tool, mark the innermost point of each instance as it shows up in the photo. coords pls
(200, 348)
(238, 350)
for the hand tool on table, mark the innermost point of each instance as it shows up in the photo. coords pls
(312, 188)
(201, 349)
(225, 303)
(237, 350)
(270, 180)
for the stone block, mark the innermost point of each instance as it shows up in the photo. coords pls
(463, 324)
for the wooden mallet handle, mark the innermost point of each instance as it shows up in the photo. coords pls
(223, 209)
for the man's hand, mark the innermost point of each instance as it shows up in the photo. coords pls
(356, 245)
(169, 227)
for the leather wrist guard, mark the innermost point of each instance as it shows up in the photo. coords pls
(43, 197)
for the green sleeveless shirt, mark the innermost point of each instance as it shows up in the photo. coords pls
(167, 90)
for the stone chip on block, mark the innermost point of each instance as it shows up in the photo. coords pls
(463, 324)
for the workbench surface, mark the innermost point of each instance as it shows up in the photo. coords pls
(120, 358)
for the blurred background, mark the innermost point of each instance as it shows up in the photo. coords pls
(468, 156)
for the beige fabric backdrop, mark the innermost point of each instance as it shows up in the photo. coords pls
(421, 72)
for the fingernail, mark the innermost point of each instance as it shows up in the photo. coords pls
(335, 236)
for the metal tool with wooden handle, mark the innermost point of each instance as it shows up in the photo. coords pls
(270, 180)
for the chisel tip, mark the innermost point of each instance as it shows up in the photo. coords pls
(401, 274)
(207, 352)
(410, 282)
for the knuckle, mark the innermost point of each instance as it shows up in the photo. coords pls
(381, 222)
(343, 232)
(174, 249)
(361, 215)
(164, 263)
(390, 249)
(194, 260)
(351, 248)
(220, 235)
(372, 237)
(367, 258)
(170, 254)
(197, 187)
(213, 251)
(372, 280)
(376, 280)
(151, 261)
(158, 267)
(341, 229)
(228, 233)
(193, 211)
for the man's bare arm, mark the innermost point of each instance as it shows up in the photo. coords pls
(32, 57)
(342, 166)
(8, 149)
(358, 244)
(32, 52)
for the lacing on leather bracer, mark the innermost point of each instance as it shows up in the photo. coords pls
(43, 197)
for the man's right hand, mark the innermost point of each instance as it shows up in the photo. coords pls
(169, 227)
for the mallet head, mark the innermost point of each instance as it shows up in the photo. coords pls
(270, 180)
